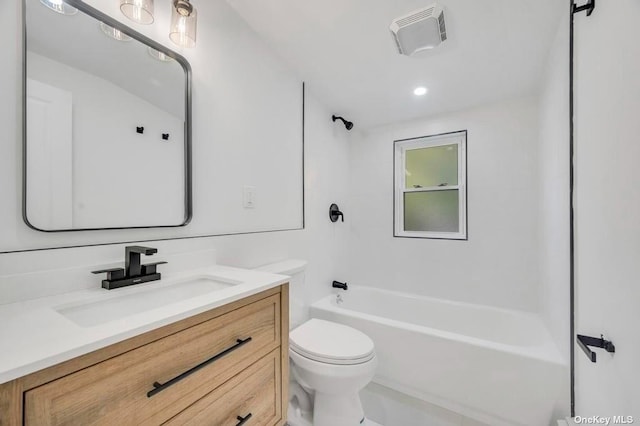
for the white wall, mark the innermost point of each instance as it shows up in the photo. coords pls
(607, 102)
(219, 55)
(553, 208)
(39, 273)
(247, 115)
(498, 265)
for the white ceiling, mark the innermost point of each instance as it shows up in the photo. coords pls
(496, 49)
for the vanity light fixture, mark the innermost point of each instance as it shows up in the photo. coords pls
(420, 91)
(140, 11)
(114, 33)
(59, 6)
(184, 19)
(158, 55)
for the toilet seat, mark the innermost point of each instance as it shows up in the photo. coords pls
(331, 343)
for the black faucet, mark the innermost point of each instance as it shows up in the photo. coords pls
(338, 284)
(133, 272)
(132, 259)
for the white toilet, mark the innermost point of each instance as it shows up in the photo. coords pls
(330, 363)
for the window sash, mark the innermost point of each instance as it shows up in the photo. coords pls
(431, 188)
(400, 150)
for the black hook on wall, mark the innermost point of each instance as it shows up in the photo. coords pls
(334, 213)
(165, 136)
(140, 130)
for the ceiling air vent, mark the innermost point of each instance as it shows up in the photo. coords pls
(419, 30)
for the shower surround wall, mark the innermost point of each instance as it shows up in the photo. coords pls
(517, 253)
(553, 208)
(498, 265)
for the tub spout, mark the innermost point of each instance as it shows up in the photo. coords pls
(338, 284)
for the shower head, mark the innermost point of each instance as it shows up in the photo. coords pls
(347, 124)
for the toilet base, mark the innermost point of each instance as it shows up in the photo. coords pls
(337, 410)
(298, 417)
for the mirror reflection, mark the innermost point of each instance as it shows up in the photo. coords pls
(105, 126)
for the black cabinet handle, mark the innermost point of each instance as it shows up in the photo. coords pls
(159, 387)
(243, 420)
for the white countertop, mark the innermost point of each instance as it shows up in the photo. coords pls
(35, 335)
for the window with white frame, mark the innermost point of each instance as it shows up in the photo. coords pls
(430, 187)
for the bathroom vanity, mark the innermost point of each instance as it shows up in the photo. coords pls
(224, 362)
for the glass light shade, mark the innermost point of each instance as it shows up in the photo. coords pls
(160, 56)
(59, 6)
(114, 33)
(183, 27)
(140, 11)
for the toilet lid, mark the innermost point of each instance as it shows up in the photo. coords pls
(331, 343)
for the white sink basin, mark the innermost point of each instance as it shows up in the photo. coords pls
(103, 310)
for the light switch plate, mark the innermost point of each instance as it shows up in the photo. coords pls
(249, 197)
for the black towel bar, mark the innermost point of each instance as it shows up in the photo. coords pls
(585, 341)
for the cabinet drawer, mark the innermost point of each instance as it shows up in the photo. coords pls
(115, 391)
(253, 395)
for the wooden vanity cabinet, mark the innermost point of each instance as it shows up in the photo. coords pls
(227, 366)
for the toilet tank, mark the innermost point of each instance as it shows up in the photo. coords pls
(294, 268)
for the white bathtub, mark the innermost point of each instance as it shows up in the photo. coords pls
(495, 365)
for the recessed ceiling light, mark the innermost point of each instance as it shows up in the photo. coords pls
(420, 91)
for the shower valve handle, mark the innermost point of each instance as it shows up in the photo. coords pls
(334, 213)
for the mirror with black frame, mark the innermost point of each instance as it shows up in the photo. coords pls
(107, 124)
